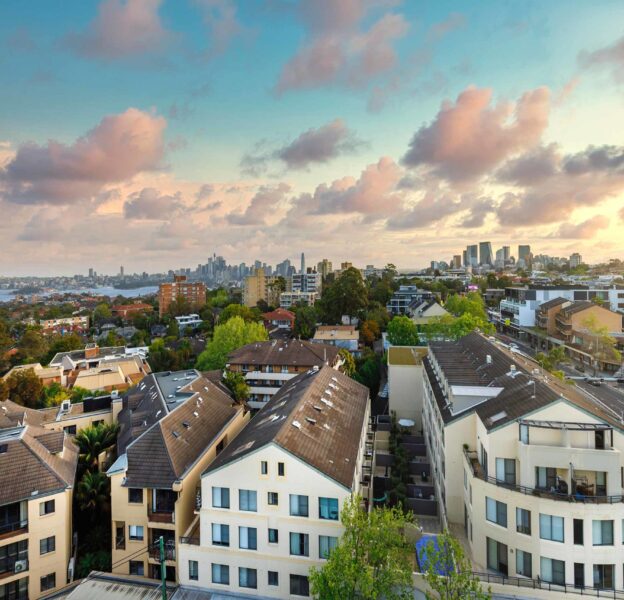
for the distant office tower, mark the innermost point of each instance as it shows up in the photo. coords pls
(193, 292)
(121, 271)
(473, 255)
(465, 258)
(524, 254)
(457, 261)
(324, 268)
(91, 273)
(302, 263)
(485, 253)
(506, 253)
(345, 265)
(500, 257)
(575, 260)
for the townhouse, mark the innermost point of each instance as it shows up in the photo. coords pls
(37, 471)
(268, 365)
(528, 466)
(341, 336)
(271, 501)
(172, 425)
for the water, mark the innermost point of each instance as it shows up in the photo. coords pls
(7, 295)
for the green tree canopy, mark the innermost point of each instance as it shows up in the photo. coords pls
(403, 332)
(101, 312)
(228, 337)
(346, 295)
(94, 440)
(93, 493)
(372, 559)
(348, 366)
(25, 388)
(236, 383)
(305, 322)
(63, 343)
(53, 394)
(32, 346)
(239, 310)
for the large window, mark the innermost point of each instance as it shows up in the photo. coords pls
(47, 545)
(298, 505)
(10, 554)
(48, 582)
(524, 563)
(220, 574)
(47, 507)
(602, 533)
(326, 544)
(135, 532)
(248, 578)
(137, 567)
(551, 528)
(220, 497)
(220, 534)
(248, 538)
(299, 585)
(497, 556)
(545, 478)
(603, 577)
(328, 508)
(523, 521)
(299, 544)
(506, 470)
(193, 570)
(496, 512)
(135, 495)
(247, 500)
(552, 571)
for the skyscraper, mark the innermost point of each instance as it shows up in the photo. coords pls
(506, 253)
(524, 253)
(485, 253)
(324, 267)
(472, 253)
(302, 263)
(121, 271)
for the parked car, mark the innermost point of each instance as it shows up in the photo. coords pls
(579, 369)
(595, 382)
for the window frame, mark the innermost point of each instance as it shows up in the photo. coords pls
(247, 531)
(193, 572)
(43, 507)
(299, 512)
(328, 502)
(549, 519)
(220, 527)
(221, 569)
(520, 526)
(47, 550)
(245, 500)
(217, 492)
(499, 516)
(136, 538)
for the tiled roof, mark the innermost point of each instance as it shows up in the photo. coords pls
(317, 416)
(576, 307)
(284, 352)
(552, 303)
(13, 414)
(279, 313)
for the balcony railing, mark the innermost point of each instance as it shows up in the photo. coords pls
(7, 566)
(477, 471)
(161, 516)
(14, 526)
(170, 551)
(193, 541)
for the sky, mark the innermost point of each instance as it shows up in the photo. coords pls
(152, 133)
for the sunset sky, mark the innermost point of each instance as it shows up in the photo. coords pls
(153, 133)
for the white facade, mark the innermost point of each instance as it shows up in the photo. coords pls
(188, 321)
(288, 299)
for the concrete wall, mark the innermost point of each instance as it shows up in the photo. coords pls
(405, 384)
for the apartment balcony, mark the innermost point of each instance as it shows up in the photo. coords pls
(161, 508)
(273, 375)
(191, 535)
(13, 565)
(161, 516)
(170, 551)
(13, 528)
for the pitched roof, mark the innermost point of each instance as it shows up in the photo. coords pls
(13, 415)
(317, 416)
(30, 467)
(552, 303)
(279, 313)
(336, 332)
(284, 352)
(578, 306)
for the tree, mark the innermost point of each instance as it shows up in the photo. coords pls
(53, 394)
(372, 559)
(4, 390)
(368, 372)
(63, 343)
(94, 440)
(228, 337)
(25, 388)
(248, 315)
(102, 312)
(235, 382)
(347, 295)
(599, 343)
(93, 561)
(348, 362)
(78, 394)
(369, 332)
(449, 573)
(305, 322)
(403, 332)
(32, 346)
(93, 493)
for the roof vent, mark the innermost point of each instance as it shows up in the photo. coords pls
(488, 359)
(512, 368)
(186, 424)
(326, 426)
(175, 434)
(328, 392)
(311, 420)
(196, 413)
(498, 416)
(296, 424)
(158, 412)
(317, 407)
(328, 402)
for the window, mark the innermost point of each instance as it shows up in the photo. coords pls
(273, 536)
(220, 534)
(523, 521)
(552, 571)
(11, 553)
(603, 577)
(496, 512)
(137, 567)
(328, 508)
(220, 446)
(272, 498)
(273, 578)
(248, 578)
(135, 495)
(193, 570)
(220, 574)
(48, 582)
(299, 544)
(506, 470)
(578, 532)
(579, 575)
(602, 533)
(298, 506)
(545, 478)
(47, 507)
(247, 500)
(496, 556)
(220, 497)
(299, 585)
(47, 545)
(135, 532)
(326, 544)
(601, 483)
(551, 528)
(280, 469)
(247, 538)
(524, 434)
(70, 430)
(264, 467)
(523, 563)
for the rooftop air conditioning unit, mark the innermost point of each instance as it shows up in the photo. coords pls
(20, 566)
(65, 405)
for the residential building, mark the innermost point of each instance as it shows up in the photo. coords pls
(46, 375)
(193, 292)
(288, 299)
(271, 501)
(405, 382)
(64, 325)
(188, 322)
(485, 253)
(280, 318)
(425, 311)
(324, 268)
(527, 466)
(37, 476)
(341, 336)
(258, 286)
(545, 314)
(405, 296)
(575, 260)
(267, 366)
(172, 426)
(305, 282)
(128, 311)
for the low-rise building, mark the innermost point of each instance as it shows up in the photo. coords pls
(128, 311)
(288, 299)
(426, 311)
(192, 292)
(271, 501)
(267, 366)
(188, 322)
(64, 325)
(172, 426)
(280, 318)
(46, 375)
(37, 472)
(404, 297)
(341, 336)
(259, 286)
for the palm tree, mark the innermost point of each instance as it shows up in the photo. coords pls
(92, 493)
(94, 440)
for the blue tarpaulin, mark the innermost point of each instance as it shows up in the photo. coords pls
(421, 545)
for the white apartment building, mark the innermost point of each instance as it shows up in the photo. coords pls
(288, 299)
(520, 305)
(271, 501)
(529, 467)
(188, 321)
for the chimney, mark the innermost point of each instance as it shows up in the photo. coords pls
(92, 351)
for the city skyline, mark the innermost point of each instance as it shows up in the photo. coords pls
(143, 132)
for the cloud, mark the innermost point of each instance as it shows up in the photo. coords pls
(479, 211)
(610, 57)
(122, 29)
(337, 50)
(585, 230)
(433, 207)
(454, 21)
(596, 158)
(531, 168)
(469, 138)
(118, 148)
(150, 204)
(221, 22)
(264, 204)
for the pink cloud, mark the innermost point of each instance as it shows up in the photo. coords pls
(118, 148)
(470, 137)
(221, 21)
(583, 231)
(264, 204)
(610, 57)
(150, 204)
